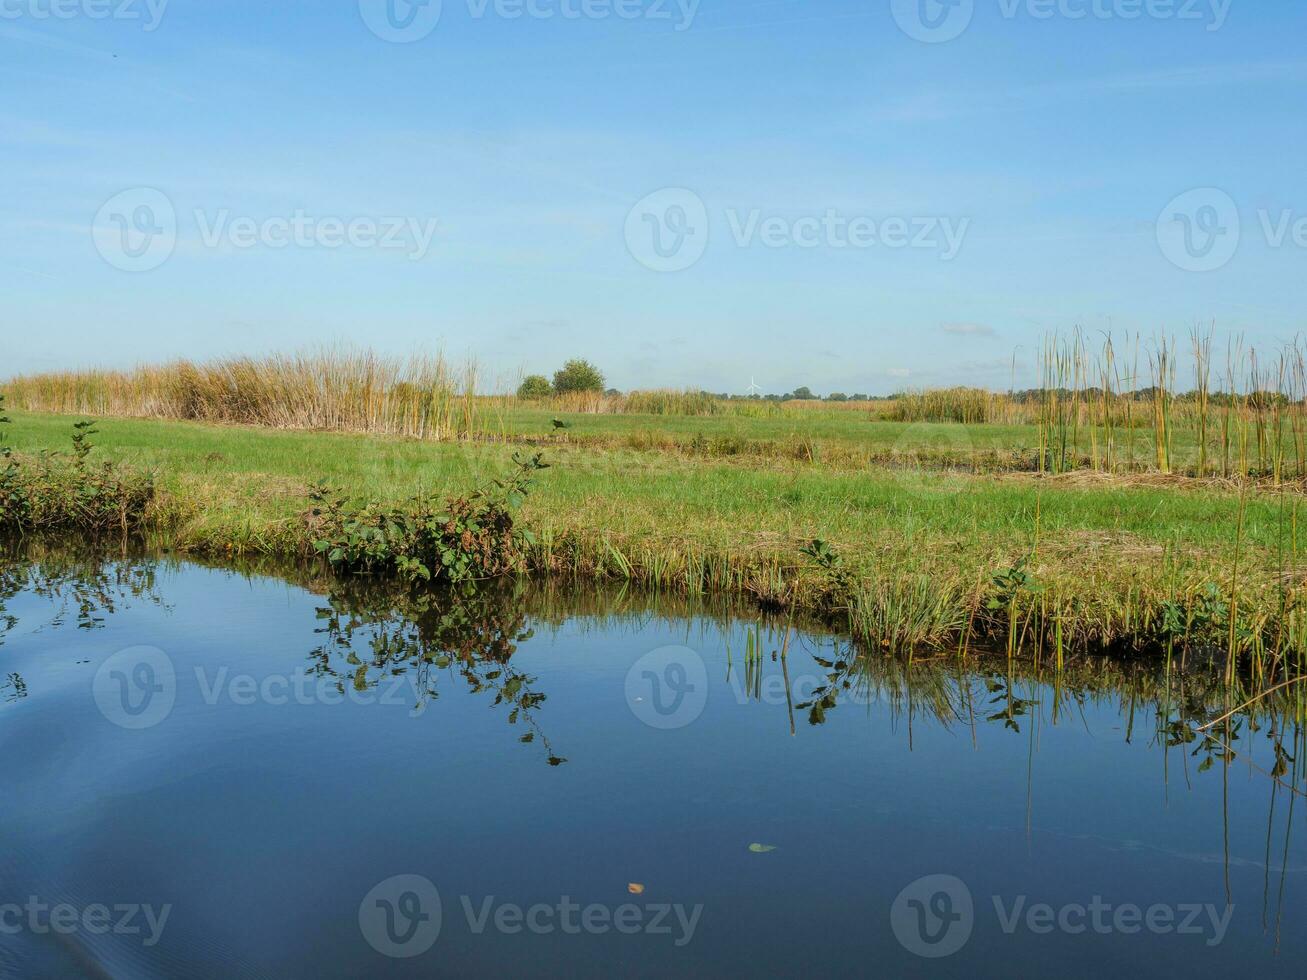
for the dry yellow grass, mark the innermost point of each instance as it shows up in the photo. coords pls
(340, 389)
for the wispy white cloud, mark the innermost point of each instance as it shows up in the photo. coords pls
(969, 330)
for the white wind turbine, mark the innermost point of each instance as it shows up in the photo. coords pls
(754, 387)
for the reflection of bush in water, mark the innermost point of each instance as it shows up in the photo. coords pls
(83, 590)
(371, 633)
(1195, 710)
(86, 591)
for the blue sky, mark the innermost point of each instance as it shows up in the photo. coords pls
(1047, 144)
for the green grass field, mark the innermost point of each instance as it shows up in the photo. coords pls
(837, 435)
(1110, 549)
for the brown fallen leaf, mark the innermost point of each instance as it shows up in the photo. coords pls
(635, 888)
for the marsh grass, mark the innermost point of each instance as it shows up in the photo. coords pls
(336, 389)
(1089, 414)
(908, 613)
(969, 406)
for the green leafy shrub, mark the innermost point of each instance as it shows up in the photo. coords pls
(578, 375)
(14, 505)
(462, 539)
(534, 386)
(64, 492)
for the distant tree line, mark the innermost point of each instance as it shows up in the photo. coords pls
(579, 375)
(803, 393)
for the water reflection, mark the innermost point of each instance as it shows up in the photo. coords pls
(71, 588)
(370, 633)
(81, 590)
(794, 735)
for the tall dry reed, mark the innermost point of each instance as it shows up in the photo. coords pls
(339, 389)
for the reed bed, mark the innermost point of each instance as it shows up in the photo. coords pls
(1117, 405)
(657, 401)
(969, 406)
(346, 390)
(1114, 412)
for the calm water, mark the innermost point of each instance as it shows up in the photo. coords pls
(211, 774)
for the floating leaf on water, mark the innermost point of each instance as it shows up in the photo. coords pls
(635, 888)
(762, 848)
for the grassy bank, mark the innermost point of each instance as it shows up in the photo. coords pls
(926, 554)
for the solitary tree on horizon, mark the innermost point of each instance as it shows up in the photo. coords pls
(578, 375)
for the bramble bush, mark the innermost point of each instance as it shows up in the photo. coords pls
(463, 539)
(65, 492)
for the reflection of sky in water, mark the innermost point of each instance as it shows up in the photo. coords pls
(315, 748)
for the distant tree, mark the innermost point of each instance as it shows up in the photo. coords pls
(612, 392)
(837, 396)
(578, 375)
(858, 397)
(534, 386)
(803, 393)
